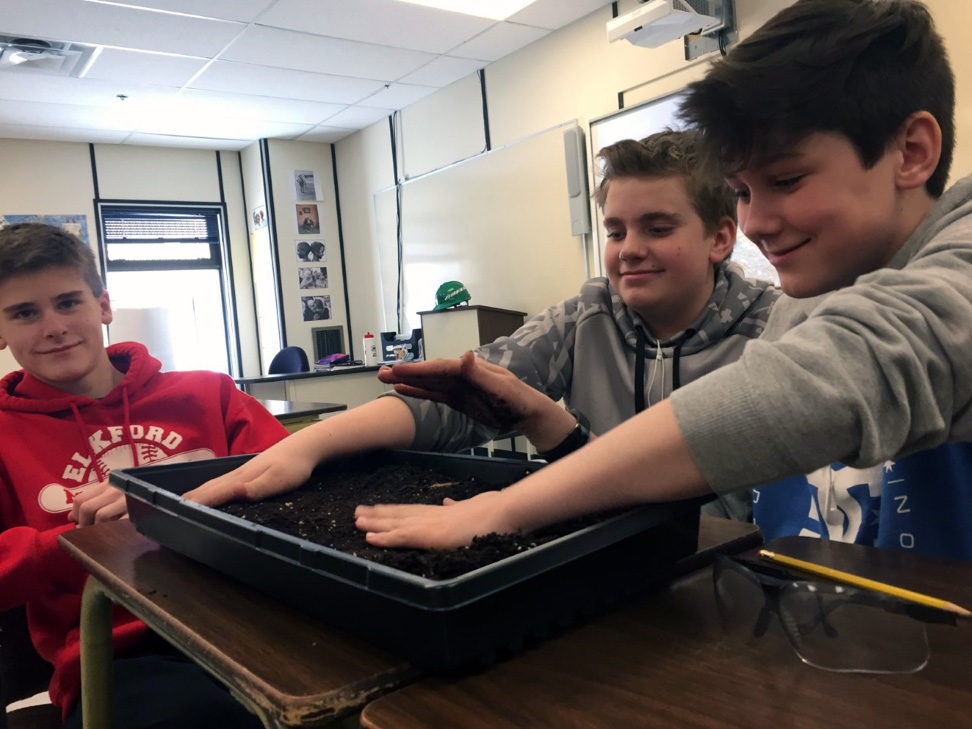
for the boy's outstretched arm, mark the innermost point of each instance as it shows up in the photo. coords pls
(645, 459)
(383, 423)
(485, 392)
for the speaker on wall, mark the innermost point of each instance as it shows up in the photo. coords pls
(578, 197)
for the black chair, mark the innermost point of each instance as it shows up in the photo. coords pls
(289, 360)
(23, 673)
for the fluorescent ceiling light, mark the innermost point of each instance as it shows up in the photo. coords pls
(493, 9)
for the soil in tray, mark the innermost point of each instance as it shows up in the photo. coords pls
(322, 511)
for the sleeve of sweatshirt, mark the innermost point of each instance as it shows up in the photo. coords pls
(877, 370)
(32, 565)
(250, 427)
(539, 353)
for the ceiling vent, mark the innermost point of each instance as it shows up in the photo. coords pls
(34, 55)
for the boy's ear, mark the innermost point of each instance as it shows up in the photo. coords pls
(920, 145)
(723, 240)
(105, 304)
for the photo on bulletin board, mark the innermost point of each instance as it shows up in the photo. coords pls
(312, 277)
(259, 217)
(75, 224)
(316, 308)
(305, 185)
(308, 220)
(311, 251)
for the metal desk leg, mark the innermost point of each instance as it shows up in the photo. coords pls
(97, 657)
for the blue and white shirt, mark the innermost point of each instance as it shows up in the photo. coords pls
(895, 505)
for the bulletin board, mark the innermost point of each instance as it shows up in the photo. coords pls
(498, 222)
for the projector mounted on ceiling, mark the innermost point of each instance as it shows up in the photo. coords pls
(33, 55)
(657, 22)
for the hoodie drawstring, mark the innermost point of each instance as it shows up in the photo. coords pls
(639, 373)
(79, 421)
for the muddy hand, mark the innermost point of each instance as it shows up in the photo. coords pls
(423, 526)
(485, 392)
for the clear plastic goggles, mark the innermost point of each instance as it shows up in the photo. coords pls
(829, 626)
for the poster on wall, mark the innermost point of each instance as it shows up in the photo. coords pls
(305, 185)
(259, 217)
(307, 219)
(316, 308)
(74, 224)
(311, 250)
(312, 277)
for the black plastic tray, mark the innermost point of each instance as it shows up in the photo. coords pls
(437, 624)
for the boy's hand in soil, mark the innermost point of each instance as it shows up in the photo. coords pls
(277, 470)
(426, 526)
(97, 503)
(485, 392)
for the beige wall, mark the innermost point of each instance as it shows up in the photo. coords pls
(573, 73)
(41, 177)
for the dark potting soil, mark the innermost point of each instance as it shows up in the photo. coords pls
(322, 511)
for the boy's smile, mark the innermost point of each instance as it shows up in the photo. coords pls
(658, 256)
(819, 216)
(52, 323)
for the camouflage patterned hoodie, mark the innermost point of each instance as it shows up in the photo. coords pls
(590, 350)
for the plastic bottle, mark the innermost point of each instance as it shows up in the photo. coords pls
(370, 349)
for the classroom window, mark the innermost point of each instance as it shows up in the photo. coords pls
(165, 274)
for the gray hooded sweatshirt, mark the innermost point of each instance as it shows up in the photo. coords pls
(585, 350)
(877, 370)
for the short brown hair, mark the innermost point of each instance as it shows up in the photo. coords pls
(30, 247)
(856, 67)
(669, 154)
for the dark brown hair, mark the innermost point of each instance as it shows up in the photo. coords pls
(856, 67)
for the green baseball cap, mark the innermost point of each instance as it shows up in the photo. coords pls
(451, 293)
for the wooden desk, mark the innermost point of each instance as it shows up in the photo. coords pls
(289, 669)
(297, 415)
(664, 662)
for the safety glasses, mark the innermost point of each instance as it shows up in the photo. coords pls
(829, 626)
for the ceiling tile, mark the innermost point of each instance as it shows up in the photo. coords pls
(32, 113)
(554, 14)
(242, 10)
(398, 96)
(357, 117)
(218, 104)
(110, 25)
(246, 78)
(61, 134)
(144, 68)
(385, 22)
(329, 135)
(171, 140)
(82, 91)
(303, 52)
(177, 123)
(500, 40)
(443, 71)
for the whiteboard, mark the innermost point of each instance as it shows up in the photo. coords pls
(498, 222)
(639, 122)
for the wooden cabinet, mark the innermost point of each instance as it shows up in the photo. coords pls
(450, 332)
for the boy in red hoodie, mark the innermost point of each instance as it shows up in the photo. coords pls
(74, 412)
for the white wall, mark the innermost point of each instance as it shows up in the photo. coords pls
(571, 73)
(44, 178)
(41, 177)
(286, 157)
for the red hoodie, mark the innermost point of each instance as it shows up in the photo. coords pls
(54, 444)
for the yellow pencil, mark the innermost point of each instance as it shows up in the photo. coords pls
(857, 581)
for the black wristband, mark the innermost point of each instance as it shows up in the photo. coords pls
(576, 438)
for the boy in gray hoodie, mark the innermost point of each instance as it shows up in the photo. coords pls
(670, 309)
(834, 125)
